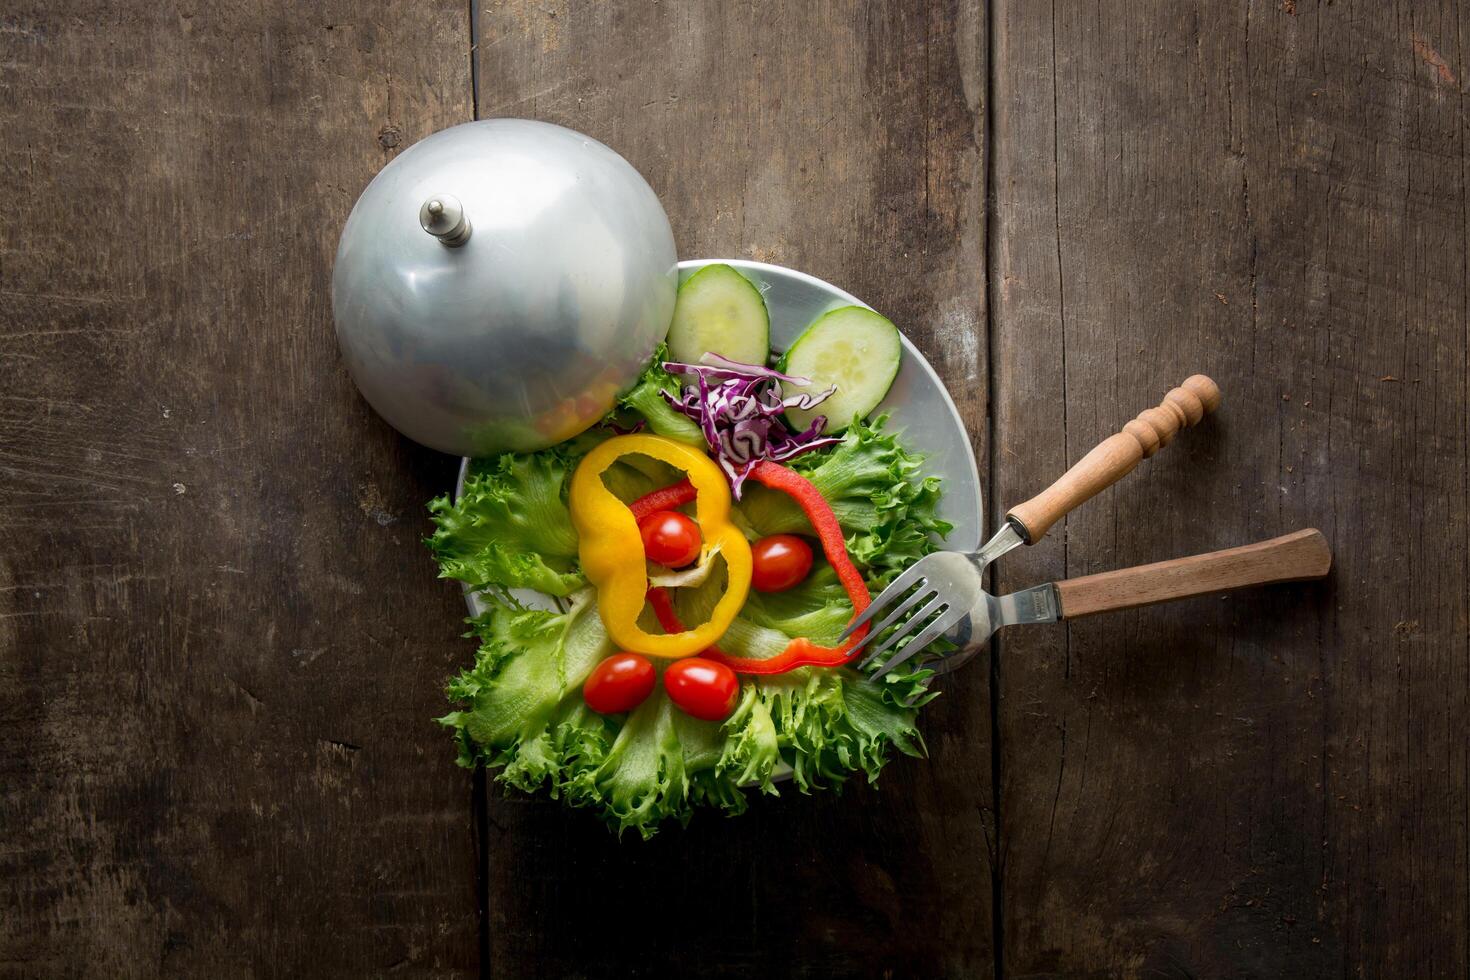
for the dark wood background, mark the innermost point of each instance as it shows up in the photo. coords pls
(221, 643)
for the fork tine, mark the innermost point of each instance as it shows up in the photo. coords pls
(921, 594)
(946, 618)
(930, 608)
(896, 588)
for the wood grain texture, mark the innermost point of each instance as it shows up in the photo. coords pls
(843, 139)
(1272, 785)
(221, 644)
(1296, 557)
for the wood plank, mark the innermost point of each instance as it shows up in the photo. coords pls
(221, 644)
(843, 139)
(1273, 194)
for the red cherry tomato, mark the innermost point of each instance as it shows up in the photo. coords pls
(702, 688)
(619, 683)
(669, 538)
(779, 562)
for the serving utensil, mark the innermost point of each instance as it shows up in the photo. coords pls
(955, 579)
(1108, 462)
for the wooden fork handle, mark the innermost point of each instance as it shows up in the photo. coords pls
(1116, 456)
(1293, 557)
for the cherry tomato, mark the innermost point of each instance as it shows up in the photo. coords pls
(669, 538)
(702, 688)
(779, 562)
(619, 683)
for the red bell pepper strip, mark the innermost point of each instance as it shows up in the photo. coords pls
(663, 608)
(664, 498)
(800, 652)
(823, 521)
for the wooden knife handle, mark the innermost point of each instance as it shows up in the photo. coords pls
(1293, 557)
(1114, 457)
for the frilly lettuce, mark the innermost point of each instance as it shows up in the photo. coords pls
(510, 528)
(521, 710)
(523, 716)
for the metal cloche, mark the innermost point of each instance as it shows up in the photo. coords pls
(499, 283)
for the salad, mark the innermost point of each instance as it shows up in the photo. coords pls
(705, 544)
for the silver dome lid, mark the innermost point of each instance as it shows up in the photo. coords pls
(500, 283)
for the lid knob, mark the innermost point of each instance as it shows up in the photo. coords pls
(443, 217)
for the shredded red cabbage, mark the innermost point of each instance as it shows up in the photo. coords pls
(738, 408)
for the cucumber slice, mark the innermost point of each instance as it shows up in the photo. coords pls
(853, 348)
(720, 310)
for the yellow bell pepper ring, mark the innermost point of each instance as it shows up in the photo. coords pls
(611, 548)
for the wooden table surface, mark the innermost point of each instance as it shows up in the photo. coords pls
(221, 643)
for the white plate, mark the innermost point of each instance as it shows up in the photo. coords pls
(918, 404)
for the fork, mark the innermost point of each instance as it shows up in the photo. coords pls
(926, 587)
(1295, 557)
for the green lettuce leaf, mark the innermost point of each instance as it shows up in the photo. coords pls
(752, 746)
(523, 712)
(831, 723)
(817, 608)
(510, 528)
(641, 782)
(646, 399)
